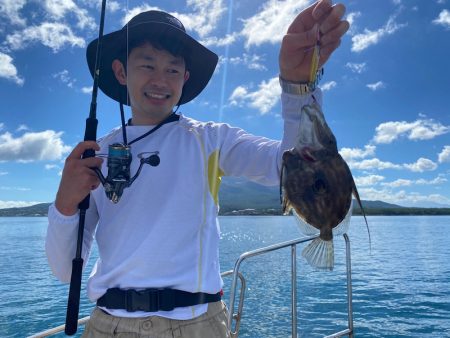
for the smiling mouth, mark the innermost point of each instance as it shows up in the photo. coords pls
(158, 96)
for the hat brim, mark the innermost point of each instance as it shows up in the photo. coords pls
(202, 61)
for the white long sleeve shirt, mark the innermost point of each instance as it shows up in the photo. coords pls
(164, 232)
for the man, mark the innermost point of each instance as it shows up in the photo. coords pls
(163, 234)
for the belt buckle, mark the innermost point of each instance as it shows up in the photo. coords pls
(145, 300)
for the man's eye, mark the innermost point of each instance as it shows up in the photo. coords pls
(173, 71)
(147, 66)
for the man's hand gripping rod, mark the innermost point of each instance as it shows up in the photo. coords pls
(90, 134)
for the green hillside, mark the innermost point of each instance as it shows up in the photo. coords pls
(242, 197)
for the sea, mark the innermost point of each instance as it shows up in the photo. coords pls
(400, 282)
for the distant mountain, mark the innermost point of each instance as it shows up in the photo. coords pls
(37, 210)
(239, 196)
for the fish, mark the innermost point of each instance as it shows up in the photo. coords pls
(317, 185)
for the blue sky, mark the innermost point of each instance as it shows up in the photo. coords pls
(386, 89)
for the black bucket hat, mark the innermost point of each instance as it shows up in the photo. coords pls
(154, 24)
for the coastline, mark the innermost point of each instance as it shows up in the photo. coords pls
(40, 210)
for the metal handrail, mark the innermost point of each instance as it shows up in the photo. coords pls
(293, 244)
(58, 329)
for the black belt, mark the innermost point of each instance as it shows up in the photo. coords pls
(152, 300)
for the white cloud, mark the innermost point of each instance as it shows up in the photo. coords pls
(22, 127)
(374, 163)
(86, 90)
(368, 180)
(398, 183)
(443, 19)
(16, 204)
(376, 86)
(444, 155)
(263, 99)
(111, 6)
(356, 67)
(421, 165)
(8, 70)
(271, 23)
(401, 197)
(406, 183)
(435, 181)
(328, 85)
(10, 9)
(207, 15)
(250, 61)
(422, 129)
(368, 38)
(3, 173)
(14, 188)
(203, 20)
(351, 17)
(220, 42)
(65, 78)
(45, 145)
(58, 9)
(351, 154)
(52, 35)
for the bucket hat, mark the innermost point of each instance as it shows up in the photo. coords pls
(154, 24)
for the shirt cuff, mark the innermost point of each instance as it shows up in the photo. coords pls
(55, 214)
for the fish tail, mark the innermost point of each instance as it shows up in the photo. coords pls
(320, 254)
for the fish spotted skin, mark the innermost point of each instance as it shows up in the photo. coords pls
(317, 184)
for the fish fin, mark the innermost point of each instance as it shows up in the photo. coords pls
(355, 192)
(304, 226)
(320, 254)
(343, 225)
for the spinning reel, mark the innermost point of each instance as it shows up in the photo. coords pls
(119, 176)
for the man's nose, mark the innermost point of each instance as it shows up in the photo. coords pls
(158, 78)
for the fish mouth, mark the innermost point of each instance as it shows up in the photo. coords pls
(307, 154)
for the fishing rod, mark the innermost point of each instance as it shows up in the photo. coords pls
(90, 134)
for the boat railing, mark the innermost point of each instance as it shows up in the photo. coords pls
(293, 245)
(234, 319)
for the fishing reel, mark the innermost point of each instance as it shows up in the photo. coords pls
(119, 176)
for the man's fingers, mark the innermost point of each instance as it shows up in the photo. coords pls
(296, 41)
(332, 19)
(320, 9)
(81, 147)
(93, 162)
(305, 20)
(334, 34)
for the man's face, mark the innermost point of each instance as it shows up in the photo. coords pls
(155, 80)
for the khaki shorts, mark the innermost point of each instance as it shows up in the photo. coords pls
(212, 324)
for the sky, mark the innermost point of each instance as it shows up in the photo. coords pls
(385, 90)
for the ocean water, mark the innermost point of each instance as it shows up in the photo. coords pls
(401, 285)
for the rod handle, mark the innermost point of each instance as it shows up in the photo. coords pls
(90, 134)
(73, 303)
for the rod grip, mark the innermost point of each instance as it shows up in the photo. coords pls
(90, 134)
(73, 303)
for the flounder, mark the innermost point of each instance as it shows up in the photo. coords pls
(316, 183)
